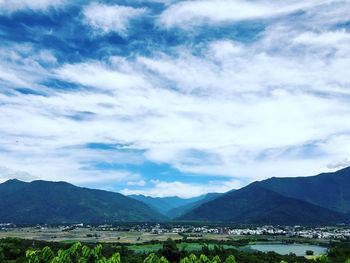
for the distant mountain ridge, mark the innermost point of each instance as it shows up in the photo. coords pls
(180, 210)
(322, 199)
(163, 204)
(61, 202)
(173, 206)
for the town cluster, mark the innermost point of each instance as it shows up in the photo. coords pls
(331, 232)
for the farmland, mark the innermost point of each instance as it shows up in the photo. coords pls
(85, 235)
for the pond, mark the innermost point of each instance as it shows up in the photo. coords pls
(285, 249)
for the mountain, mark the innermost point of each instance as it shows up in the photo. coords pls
(61, 202)
(180, 210)
(256, 205)
(165, 204)
(330, 190)
(320, 199)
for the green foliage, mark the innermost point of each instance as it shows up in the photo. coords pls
(77, 253)
(205, 249)
(230, 259)
(72, 204)
(47, 254)
(322, 259)
(216, 259)
(258, 205)
(153, 258)
(40, 252)
(171, 251)
(2, 256)
(339, 251)
(204, 259)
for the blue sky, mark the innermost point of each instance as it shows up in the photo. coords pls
(169, 97)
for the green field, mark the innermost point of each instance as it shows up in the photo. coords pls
(147, 248)
(86, 235)
(130, 237)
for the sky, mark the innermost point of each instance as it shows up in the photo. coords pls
(168, 97)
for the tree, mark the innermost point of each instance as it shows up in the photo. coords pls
(205, 249)
(75, 254)
(2, 256)
(216, 259)
(230, 259)
(153, 258)
(171, 251)
(204, 259)
(322, 259)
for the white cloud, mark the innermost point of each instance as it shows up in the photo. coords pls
(137, 183)
(7, 174)
(184, 190)
(186, 14)
(224, 49)
(230, 105)
(22, 66)
(241, 110)
(98, 176)
(328, 38)
(111, 18)
(339, 164)
(11, 78)
(9, 6)
(98, 75)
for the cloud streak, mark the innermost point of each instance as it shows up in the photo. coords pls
(8, 6)
(205, 105)
(187, 14)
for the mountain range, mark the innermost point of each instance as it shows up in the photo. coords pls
(330, 190)
(323, 199)
(174, 206)
(61, 202)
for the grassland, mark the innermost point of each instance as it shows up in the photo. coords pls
(86, 235)
(147, 248)
(129, 237)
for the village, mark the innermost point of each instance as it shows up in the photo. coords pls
(189, 231)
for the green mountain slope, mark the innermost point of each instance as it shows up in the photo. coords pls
(256, 205)
(330, 190)
(60, 202)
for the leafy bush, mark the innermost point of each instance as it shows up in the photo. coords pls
(309, 253)
(75, 254)
(2, 256)
(79, 253)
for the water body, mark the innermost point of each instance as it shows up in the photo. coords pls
(285, 249)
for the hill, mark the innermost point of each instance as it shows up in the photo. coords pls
(60, 202)
(330, 190)
(256, 205)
